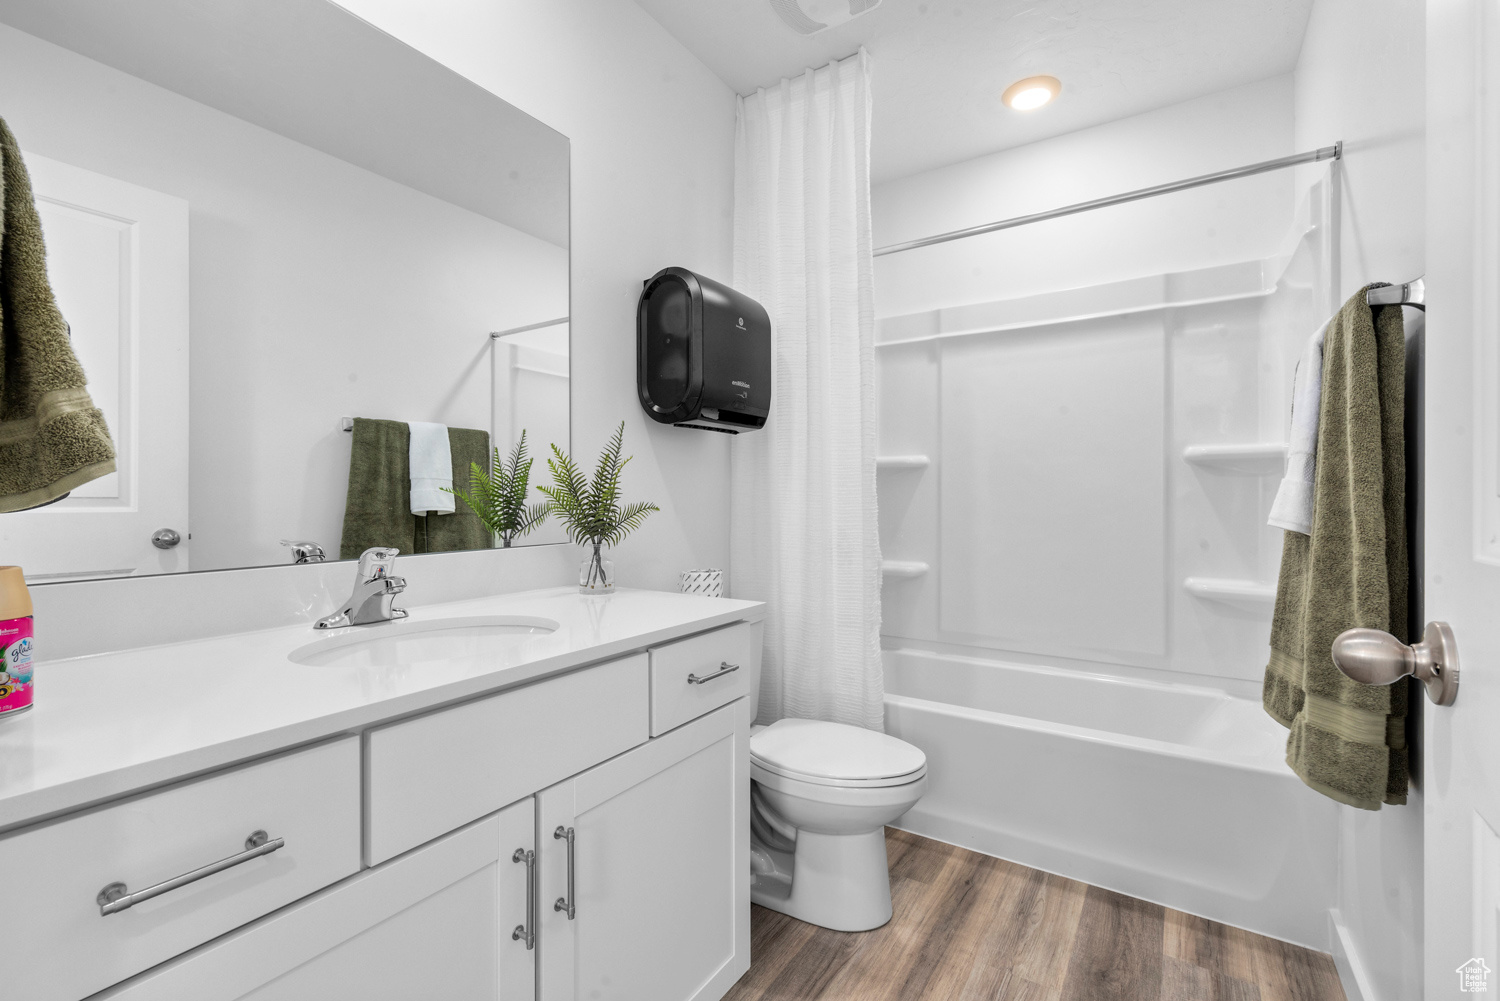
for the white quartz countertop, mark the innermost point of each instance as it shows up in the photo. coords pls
(112, 723)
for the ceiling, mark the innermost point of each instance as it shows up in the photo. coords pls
(940, 65)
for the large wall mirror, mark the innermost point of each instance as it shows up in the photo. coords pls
(266, 220)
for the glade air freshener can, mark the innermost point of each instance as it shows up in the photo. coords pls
(17, 642)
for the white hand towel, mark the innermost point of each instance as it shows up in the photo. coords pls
(431, 463)
(1293, 507)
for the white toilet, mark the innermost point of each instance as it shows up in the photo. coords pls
(821, 795)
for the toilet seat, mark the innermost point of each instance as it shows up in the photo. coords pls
(843, 795)
(801, 752)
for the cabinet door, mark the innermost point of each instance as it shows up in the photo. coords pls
(661, 868)
(436, 922)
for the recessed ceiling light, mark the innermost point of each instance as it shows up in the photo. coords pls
(1032, 92)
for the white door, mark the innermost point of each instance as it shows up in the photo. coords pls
(1460, 753)
(117, 256)
(661, 869)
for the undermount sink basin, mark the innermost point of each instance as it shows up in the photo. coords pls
(403, 643)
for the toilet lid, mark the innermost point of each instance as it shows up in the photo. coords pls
(833, 751)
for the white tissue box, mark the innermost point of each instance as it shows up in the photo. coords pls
(709, 583)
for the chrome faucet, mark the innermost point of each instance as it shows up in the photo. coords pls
(305, 552)
(374, 590)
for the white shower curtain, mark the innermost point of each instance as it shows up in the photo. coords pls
(803, 534)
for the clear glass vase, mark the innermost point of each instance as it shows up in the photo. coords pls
(596, 574)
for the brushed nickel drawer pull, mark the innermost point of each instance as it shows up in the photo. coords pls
(566, 904)
(117, 897)
(528, 930)
(724, 668)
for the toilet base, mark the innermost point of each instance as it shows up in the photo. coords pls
(838, 881)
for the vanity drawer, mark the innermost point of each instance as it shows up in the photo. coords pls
(429, 775)
(53, 873)
(698, 675)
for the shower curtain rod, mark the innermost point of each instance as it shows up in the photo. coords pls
(1333, 152)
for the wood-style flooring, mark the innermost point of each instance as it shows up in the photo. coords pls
(968, 927)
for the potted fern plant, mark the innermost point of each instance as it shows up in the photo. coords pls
(591, 512)
(498, 497)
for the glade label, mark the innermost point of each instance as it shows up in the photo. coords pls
(16, 664)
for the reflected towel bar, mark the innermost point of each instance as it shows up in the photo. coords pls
(530, 326)
(1334, 152)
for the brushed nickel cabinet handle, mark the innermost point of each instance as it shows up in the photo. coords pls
(567, 903)
(117, 897)
(527, 931)
(724, 668)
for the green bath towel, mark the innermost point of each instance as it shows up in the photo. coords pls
(446, 533)
(52, 437)
(1348, 740)
(378, 509)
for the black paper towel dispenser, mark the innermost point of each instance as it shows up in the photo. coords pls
(703, 354)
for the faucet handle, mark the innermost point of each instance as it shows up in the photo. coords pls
(377, 562)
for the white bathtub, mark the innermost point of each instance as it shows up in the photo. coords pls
(1172, 793)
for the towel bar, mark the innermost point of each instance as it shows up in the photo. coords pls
(1413, 293)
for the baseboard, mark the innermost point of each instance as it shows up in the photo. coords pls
(1352, 974)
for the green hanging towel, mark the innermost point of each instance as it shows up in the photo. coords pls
(377, 510)
(445, 533)
(52, 437)
(1348, 740)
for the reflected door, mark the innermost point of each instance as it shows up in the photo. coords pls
(117, 257)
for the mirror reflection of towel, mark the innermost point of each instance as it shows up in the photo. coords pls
(431, 469)
(378, 509)
(52, 437)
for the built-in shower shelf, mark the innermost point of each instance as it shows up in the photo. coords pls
(1231, 591)
(902, 462)
(903, 568)
(1255, 459)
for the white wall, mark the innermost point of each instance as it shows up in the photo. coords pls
(317, 290)
(1214, 225)
(1361, 78)
(653, 152)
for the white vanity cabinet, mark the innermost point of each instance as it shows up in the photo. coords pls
(428, 775)
(62, 946)
(579, 837)
(652, 901)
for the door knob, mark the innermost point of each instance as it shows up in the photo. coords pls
(165, 538)
(1375, 657)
